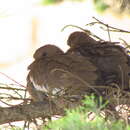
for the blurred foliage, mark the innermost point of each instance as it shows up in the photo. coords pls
(48, 2)
(116, 6)
(100, 5)
(80, 119)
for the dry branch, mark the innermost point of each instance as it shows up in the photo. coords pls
(26, 112)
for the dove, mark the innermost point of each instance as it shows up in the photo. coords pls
(80, 38)
(110, 59)
(36, 96)
(55, 73)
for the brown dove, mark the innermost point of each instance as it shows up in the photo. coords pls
(34, 93)
(80, 37)
(56, 73)
(110, 59)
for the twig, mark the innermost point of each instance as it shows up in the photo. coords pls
(108, 30)
(6, 103)
(91, 24)
(25, 94)
(28, 125)
(10, 97)
(9, 88)
(12, 126)
(125, 43)
(114, 29)
(18, 94)
(108, 33)
(15, 98)
(70, 25)
(6, 94)
(85, 30)
(12, 79)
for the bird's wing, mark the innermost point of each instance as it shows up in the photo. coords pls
(63, 73)
(110, 60)
(34, 93)
(67, 72)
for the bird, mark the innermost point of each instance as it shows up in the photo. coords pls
(110, 58)
(34, 92)
(80, 37)
(58, 74)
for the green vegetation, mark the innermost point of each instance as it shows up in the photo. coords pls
(48, 2)
(100, 5)
(86, 117)
(78, 119)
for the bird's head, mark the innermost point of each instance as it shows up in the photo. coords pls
(79, 38)
(47, 51)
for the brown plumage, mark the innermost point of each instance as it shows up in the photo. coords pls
(80, 37)
(110, 59)
(56, 73)
(35, 94)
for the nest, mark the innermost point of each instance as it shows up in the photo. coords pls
(118, 98)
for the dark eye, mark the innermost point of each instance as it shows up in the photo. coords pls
(44, 54)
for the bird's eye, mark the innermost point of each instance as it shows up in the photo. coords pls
(44, 54)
